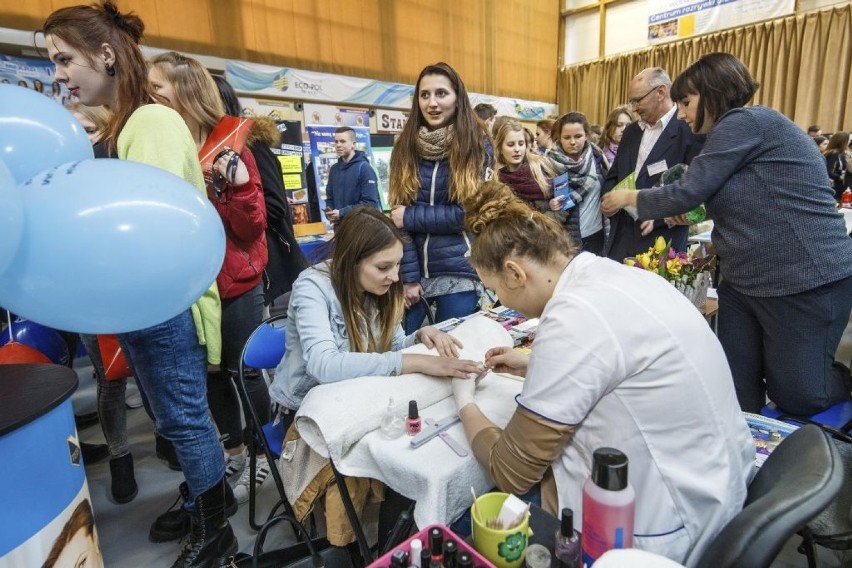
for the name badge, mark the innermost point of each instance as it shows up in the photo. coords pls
(657, 168)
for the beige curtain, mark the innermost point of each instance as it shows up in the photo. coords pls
(500, 47)
(802, 63)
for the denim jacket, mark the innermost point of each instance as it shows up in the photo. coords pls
(318, 343)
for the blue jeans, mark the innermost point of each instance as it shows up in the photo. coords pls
(456, 305)
(785, 346)
(171, 367)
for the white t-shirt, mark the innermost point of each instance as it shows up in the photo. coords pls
(624, 357)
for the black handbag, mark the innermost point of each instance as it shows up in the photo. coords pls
(309, 553)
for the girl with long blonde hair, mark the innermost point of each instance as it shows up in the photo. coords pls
(185, 85)
(529, 174)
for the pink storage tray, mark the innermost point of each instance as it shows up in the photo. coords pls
(478, 560)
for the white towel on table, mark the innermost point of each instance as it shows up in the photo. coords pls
(432, 474)
(333, 417)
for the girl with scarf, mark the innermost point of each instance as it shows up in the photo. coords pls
(529, 175)
(437, 165)
(616, 122)
(586, 167)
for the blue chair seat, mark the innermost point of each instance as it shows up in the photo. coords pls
(836, 420)
(274, 434)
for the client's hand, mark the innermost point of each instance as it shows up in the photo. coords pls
(646, 227)
(507, 360)
(463, 392)
(448, 367)
(446, 344)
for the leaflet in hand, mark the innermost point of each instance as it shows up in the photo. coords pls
(562, 191)
(628, 182)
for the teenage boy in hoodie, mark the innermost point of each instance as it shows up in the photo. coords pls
(351, 181)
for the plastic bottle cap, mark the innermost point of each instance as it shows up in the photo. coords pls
(609, 469)
(412, 409)
(567, 522)
(538, 556)
(436, 540)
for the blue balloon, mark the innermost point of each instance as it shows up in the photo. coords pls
(111, 246)
(11, 217)
(43, 339)
(37, 133)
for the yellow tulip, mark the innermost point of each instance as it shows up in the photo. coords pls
(660, 244)
(630, 262)
(673, 267)
(644, 260)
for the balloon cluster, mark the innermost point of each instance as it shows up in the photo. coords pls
(94, 246)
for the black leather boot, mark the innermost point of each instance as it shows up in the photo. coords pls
(123, 488)
(211, 540)
(175, 523)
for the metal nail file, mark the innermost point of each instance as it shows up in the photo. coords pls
(433, 430)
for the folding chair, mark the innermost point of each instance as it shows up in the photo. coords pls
(264, 349)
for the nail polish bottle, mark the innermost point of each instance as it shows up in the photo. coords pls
(465, 560)
(450, 551)
(567, 550)
(436, 545)
(413, 423)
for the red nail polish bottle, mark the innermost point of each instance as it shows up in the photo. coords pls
(413, 423)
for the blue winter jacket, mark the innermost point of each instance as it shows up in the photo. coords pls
(439, 243)
(351, 184)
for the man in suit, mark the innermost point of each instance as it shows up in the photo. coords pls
(649, 147)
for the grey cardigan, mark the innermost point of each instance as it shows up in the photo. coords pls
(764, 182)
(318, 343)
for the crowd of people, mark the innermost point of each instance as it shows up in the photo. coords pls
(479, 201)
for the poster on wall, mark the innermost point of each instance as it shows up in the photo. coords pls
(338, 116)
(323, 155)
(290, 155)
(381, 163)
(34, 74)
(669, 20)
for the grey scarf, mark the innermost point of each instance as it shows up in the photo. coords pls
(434, 145)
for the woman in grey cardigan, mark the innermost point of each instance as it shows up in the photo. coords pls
(786, 264)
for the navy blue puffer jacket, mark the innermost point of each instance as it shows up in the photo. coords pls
(439, 242)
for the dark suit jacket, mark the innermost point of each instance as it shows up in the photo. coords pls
(676, 145)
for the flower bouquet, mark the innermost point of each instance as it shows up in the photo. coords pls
(689, 274)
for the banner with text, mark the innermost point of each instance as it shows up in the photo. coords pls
(297, 84)
(669, 20)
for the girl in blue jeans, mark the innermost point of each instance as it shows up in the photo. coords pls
(96, 53)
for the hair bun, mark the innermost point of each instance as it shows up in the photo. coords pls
(130, 22)
(492, 201)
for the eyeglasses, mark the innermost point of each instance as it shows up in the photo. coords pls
(634, 102)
